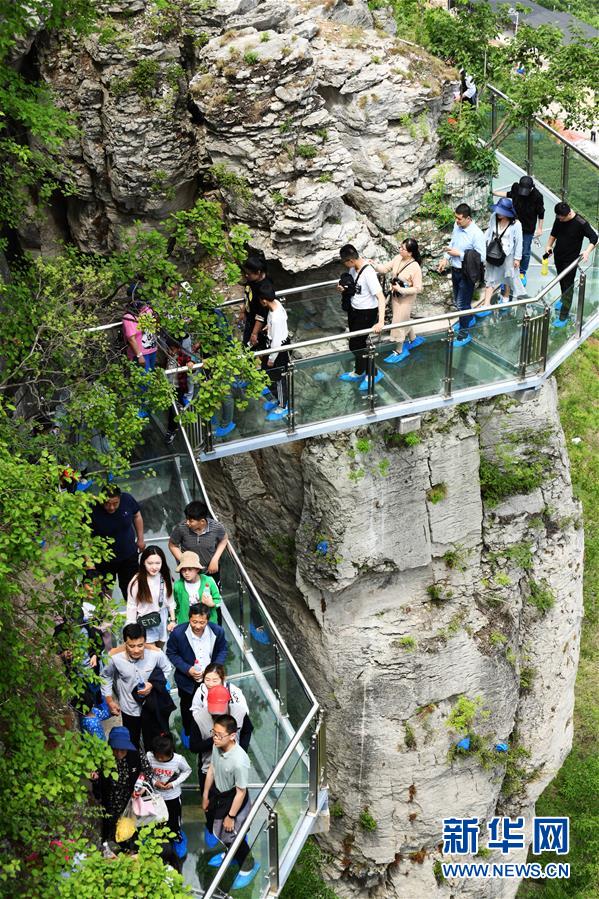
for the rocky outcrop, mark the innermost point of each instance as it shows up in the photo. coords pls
(423, 596)
(316, 128)
(332, 132)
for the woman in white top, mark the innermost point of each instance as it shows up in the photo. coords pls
(150, 599)
(504, 226)
(277, 362)
(215, 676)
(406, 284)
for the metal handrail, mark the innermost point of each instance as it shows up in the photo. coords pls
(431, 319)
(280, 293)
(285, 293)
(548, 128)
(312, 714)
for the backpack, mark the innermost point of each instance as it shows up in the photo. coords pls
(496, 255)
(348, 283)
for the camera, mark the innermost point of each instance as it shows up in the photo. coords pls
(396, 282)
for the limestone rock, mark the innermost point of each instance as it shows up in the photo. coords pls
(331, 124)
(422, 595)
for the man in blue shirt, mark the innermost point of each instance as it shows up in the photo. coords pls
(465, 236)
(119, 518)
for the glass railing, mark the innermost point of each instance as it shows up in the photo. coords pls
(511, 345)
(285, 777)
(556, 163)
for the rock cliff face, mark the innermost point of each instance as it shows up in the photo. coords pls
(446, 602)
(316, 128)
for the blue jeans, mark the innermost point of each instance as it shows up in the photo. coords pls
(526, 245)
(463, 289)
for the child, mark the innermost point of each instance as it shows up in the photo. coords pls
(169, 770)
(195, 588)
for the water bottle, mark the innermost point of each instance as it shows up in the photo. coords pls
(545, 265)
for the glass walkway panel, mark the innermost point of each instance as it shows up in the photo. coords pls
(286, 751)
(514, 347)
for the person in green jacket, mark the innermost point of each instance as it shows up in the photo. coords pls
(195, 587)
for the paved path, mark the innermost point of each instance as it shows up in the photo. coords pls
(562, 20)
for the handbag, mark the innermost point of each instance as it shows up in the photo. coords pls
(147, 808)
(153, 619)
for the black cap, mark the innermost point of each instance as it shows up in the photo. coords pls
(525, 186)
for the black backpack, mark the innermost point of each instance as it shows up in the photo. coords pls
(495, 253)
(348, 283)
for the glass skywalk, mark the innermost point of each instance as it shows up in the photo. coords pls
(287, 746)
(514, 347)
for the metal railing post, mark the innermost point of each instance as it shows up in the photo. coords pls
(565, 171)
(370, 366)
(524, 345)
(582, 287)
(448, 379)
(314, 774)
(322, 752)
(290, 375)
(281, 682)
(273, 851)
(242, 629)
(545, 338)
(209, 446)
(529, 148)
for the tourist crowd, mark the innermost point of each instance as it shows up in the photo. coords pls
(173, 644)
(498, 256)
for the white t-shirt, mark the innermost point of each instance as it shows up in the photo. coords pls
(367, 288)
(177, 768)
(202, 646)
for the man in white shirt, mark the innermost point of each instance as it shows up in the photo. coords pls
(367, 311)
(190, 648)
(277, 362)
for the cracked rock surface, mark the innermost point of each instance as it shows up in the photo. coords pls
(425, 595)
(329, 124)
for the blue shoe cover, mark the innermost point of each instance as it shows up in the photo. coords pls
(181, 845)
(378, 377)
(210, 840)
(242, 880)
(222, 432)
(277, 415)
(463, 341)
(259, 635)
(350, 376)
(397, 357)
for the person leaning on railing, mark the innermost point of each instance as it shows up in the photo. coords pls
(406, 284)
(565, 241)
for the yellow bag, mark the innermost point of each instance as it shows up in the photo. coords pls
(125, 828)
